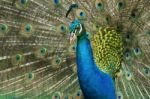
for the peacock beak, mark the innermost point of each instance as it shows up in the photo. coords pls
(76, 32)
(72, 38)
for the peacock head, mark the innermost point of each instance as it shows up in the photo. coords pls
(76, 29)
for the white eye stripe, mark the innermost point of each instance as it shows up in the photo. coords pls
(75, 31)
(80, 28)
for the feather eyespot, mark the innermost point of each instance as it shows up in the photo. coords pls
(120, 5)
(57, 2)
(3, 29)
(30, 76)
(56, 95)
(137, 51)
(146, 71)
(17, 59)
(128, 75)
(62, 28)
(22, 4)
(127, 55)
(119, 95)
(78, 93)
(26, 29)
(99, 5)
(148, 32)
(41, 52)
(81, 14)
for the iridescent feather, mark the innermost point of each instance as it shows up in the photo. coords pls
(38, 62)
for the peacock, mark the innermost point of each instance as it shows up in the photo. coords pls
(74, 49)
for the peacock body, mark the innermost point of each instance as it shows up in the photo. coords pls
(110, 58)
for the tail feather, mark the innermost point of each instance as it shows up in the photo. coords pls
(37, 61)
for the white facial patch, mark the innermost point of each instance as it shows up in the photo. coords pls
(80, 28)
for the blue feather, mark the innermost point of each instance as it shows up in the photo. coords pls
(94, 83)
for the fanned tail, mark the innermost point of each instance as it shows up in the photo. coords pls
(37, 61)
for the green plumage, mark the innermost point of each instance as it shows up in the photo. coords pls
(108, 47)
(38, 62)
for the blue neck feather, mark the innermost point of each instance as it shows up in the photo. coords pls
(94, 83)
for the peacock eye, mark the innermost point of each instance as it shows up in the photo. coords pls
(28, 28)
(128, 75)
(58, 61)
(137, 51)
(78, 27)
(57, 2)
(108, 19)
(127, 55)
(66, 97)
(72, 49)
(120, 5)
(56, 95)
(17, 59)
(99, 5)
(80, 14)
(30, 76)
(41, 52)
(3, 29)
(62, 28)
(148, 32)
(78, 93)
(22, 4)
(119, 95)
(134, 15)
(23, 1)
(73, 31)
(146, 71)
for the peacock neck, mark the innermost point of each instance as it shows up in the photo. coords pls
(91, 78)
(85, 62)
